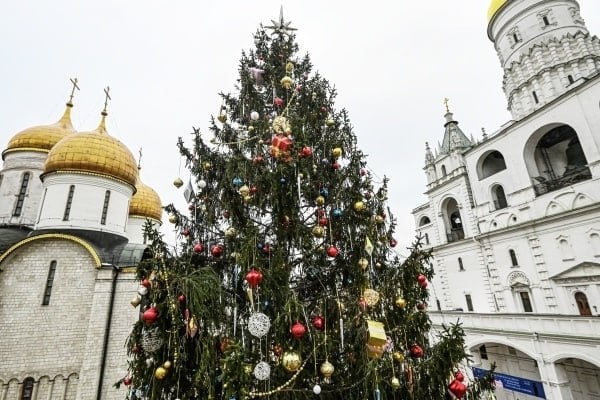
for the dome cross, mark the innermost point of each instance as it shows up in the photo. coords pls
(75, 87)
(106, 99)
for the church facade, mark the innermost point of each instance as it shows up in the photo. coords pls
(514, 218)
(72, 217)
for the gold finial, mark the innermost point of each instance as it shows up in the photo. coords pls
(106, 99)
(140, 159)
(75, 86)
(446, 101)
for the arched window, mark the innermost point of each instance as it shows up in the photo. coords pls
(460, 264)
(571, 80)
(22, 193)
(27, 391)
(69, 203)
(452, 220)
(595, 242)
(424, 220)
(566, 250)
(499, 197)
(444, 170)
(582, 304)
(426, 238)
(49, 283)
(105, 207)
(513, 258)
(491, 164)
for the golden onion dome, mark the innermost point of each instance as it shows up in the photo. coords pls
(94, 152)
(41, 138)
(494, 7)
(145, 202)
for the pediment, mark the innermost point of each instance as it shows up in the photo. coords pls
(583, 272)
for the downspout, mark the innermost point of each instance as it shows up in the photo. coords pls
(487, 268)
(115, 275)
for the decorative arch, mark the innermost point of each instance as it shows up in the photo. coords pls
(490, 163)
(518, 278)
(555, 207)
(473, 345)
(46, 236)
(561, 356)
(581, 200)
(424, 220)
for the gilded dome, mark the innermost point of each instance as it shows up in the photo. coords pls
(145, 202)
(494, 7)
(41, 138)
(94, 152)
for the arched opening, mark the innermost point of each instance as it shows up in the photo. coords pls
(583, 377)
(453, 220)
(444, 173)
(499, 197)
(27, 390)
(556, 160)
(424, 220)
(582, 304)
(491, 164)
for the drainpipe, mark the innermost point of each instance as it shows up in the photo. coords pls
(482, 250)
(115, 275)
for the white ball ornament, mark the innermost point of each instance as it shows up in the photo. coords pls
(254, 116)
(258, 324)
(143, 290)
(317, 389)
(262, 371)
(201, 183)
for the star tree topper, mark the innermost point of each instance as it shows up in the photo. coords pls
(281, 26)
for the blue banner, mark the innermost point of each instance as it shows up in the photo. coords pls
(514, 383)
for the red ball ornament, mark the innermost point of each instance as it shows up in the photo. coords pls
(318, 322)
(306, 152)
(186, 232)
(416, 351)
(393, 242)
(323, 221)
(266, 249)
(423, 284)
(298, 330)
(277, 350)
(457, 389)
(146, 283)
(332, 251)
(362, 172)
(321, 212)
(181, 298)
(459, 376)
(224, 344)
(253, 189)
(127, 381)
(198, 248)
(217, 250)
(254, 277)
(278, 101)
(226, 214)
(323, 109)
(150, 315)
(336, 165)
(421, 278)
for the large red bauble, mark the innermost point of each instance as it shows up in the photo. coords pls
(298, 330)
(323, 221)
(457, 389)
(127, 381)
(332, 251)
(150, 315)
(254, 277)
(421, 278)
(146, 283)
(416, 351)
(306, 151)
(217, 250)
(198, 248)
(423, 284)
(318, 322)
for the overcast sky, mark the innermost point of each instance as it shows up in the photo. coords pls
(392, 62)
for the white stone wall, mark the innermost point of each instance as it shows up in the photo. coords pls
(87, 205)
(135, 229)
(15, 165)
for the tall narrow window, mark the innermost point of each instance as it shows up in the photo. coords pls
(570, 78)
(515, 38)
(438, 304)
(49, 283)
(545, 19)
(21, 196)
(535, 97)
(460, 264)
(426, 238)
(483, 352)
(27, 392)
(444, 173)
(526, 301)
(105, 207)
(582, 304)
(469, 302)
(69, 203)
(513, 258)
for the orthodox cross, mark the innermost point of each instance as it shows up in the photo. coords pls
(140, 158)
(106, 98)
(281, 26)
(74, 82)
(446, 101)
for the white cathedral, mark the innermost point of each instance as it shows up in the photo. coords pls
(514, 218)
(72, 217)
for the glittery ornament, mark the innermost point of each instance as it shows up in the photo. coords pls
(262, 371)
(151, 340)
(371, 297)
(291, 361)
(258, 324)
(327, 369)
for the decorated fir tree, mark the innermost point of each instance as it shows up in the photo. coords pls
(285, 283)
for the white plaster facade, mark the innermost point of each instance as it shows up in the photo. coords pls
(514, 218)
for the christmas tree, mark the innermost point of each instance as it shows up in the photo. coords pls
(286, 283)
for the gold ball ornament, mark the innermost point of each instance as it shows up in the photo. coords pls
(395, 383)
(247, 199)
(330, 122)
(359, 206)
(291, 361)
(327, 369)
(398, 356)
(178, 182)
(244, 190)
(289, 67)
(222, 117)
(318, 231)
(160, 373)
(320, 200)
(371, 297)
(281, 124)
(287, 82)
(251, 128)
(336, 152)
(167, 364)
(363, 263)
(400, 302)
(230, 232)
(206, 165)
(379, 220)
(173, 218)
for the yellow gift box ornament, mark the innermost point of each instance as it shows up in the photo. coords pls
(376, 338)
